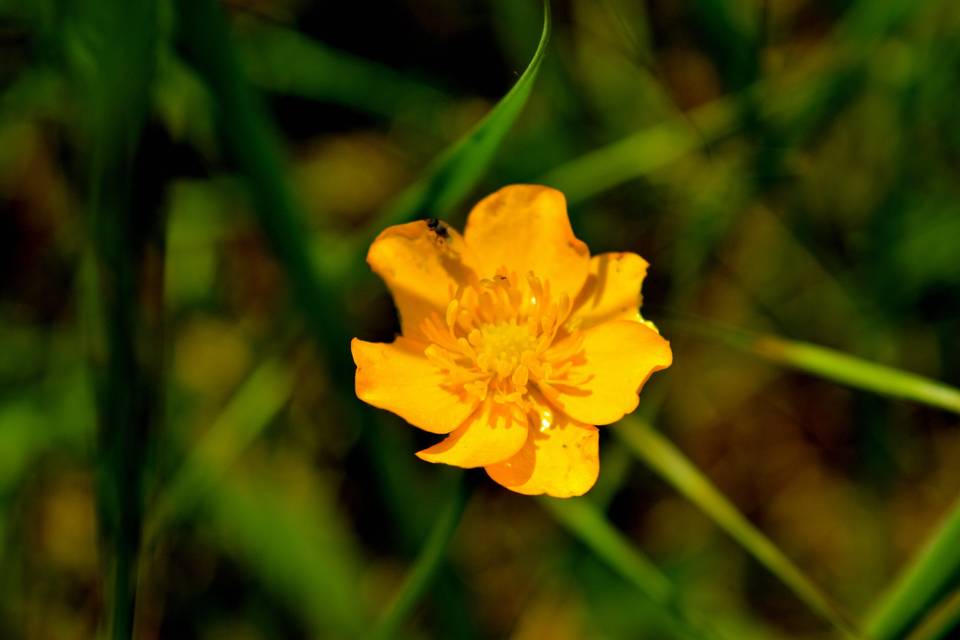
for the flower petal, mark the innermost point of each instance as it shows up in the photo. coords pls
(422, 267)
(525, 228)
(560, 458)
(493, 433)
(616, 359)
(612, 290)
(397, 377)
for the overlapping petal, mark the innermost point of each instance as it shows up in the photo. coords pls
(493, 433)
(612, 290)
(421, 266)
(520, 370)
(526, 229)
(397, 377)
(616, 359)
(560, 458)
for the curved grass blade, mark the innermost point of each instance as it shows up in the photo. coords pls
(667, 461)
(585, 521)
(451, 176)
(839, 367)
(426, 566)
(934, 570)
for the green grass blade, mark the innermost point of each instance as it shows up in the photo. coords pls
(855, 372)
(934, 571)
(944, 619)
(449, 179)
(587, 523)
(668, 462)
(839, 367)
(113, 59)
(425, 567)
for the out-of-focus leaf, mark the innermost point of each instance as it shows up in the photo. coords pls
(456, 171)
(639, 154)
(932, 573)
(803, 95)
(296, 549)
(585, 521)
(254, 405)
(250, 138)
(944, 620)
(425, 568)
(668, 462)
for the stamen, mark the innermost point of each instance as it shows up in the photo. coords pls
(502, 338)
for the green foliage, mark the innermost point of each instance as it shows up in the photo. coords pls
(179, 371)
(587, 522)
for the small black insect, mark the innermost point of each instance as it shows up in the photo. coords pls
(438, 228)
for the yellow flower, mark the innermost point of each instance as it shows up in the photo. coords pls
(515, 342)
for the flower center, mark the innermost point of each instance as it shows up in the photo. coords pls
(501, 347)
(501, 336)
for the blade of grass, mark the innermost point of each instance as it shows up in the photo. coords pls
(943, 620)
(114, 61)
(837, 366)
(587, 523)
(449, 178)
(668, 462)
(846, 369)
(934, 571)
(426, 566)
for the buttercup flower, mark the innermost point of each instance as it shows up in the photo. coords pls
(515, 342)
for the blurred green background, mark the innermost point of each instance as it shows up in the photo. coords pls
(187, 190)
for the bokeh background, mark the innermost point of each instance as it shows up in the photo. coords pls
(787, 167)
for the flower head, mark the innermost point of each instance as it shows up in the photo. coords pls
(515, 342)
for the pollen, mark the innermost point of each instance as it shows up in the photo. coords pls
(502, 337)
